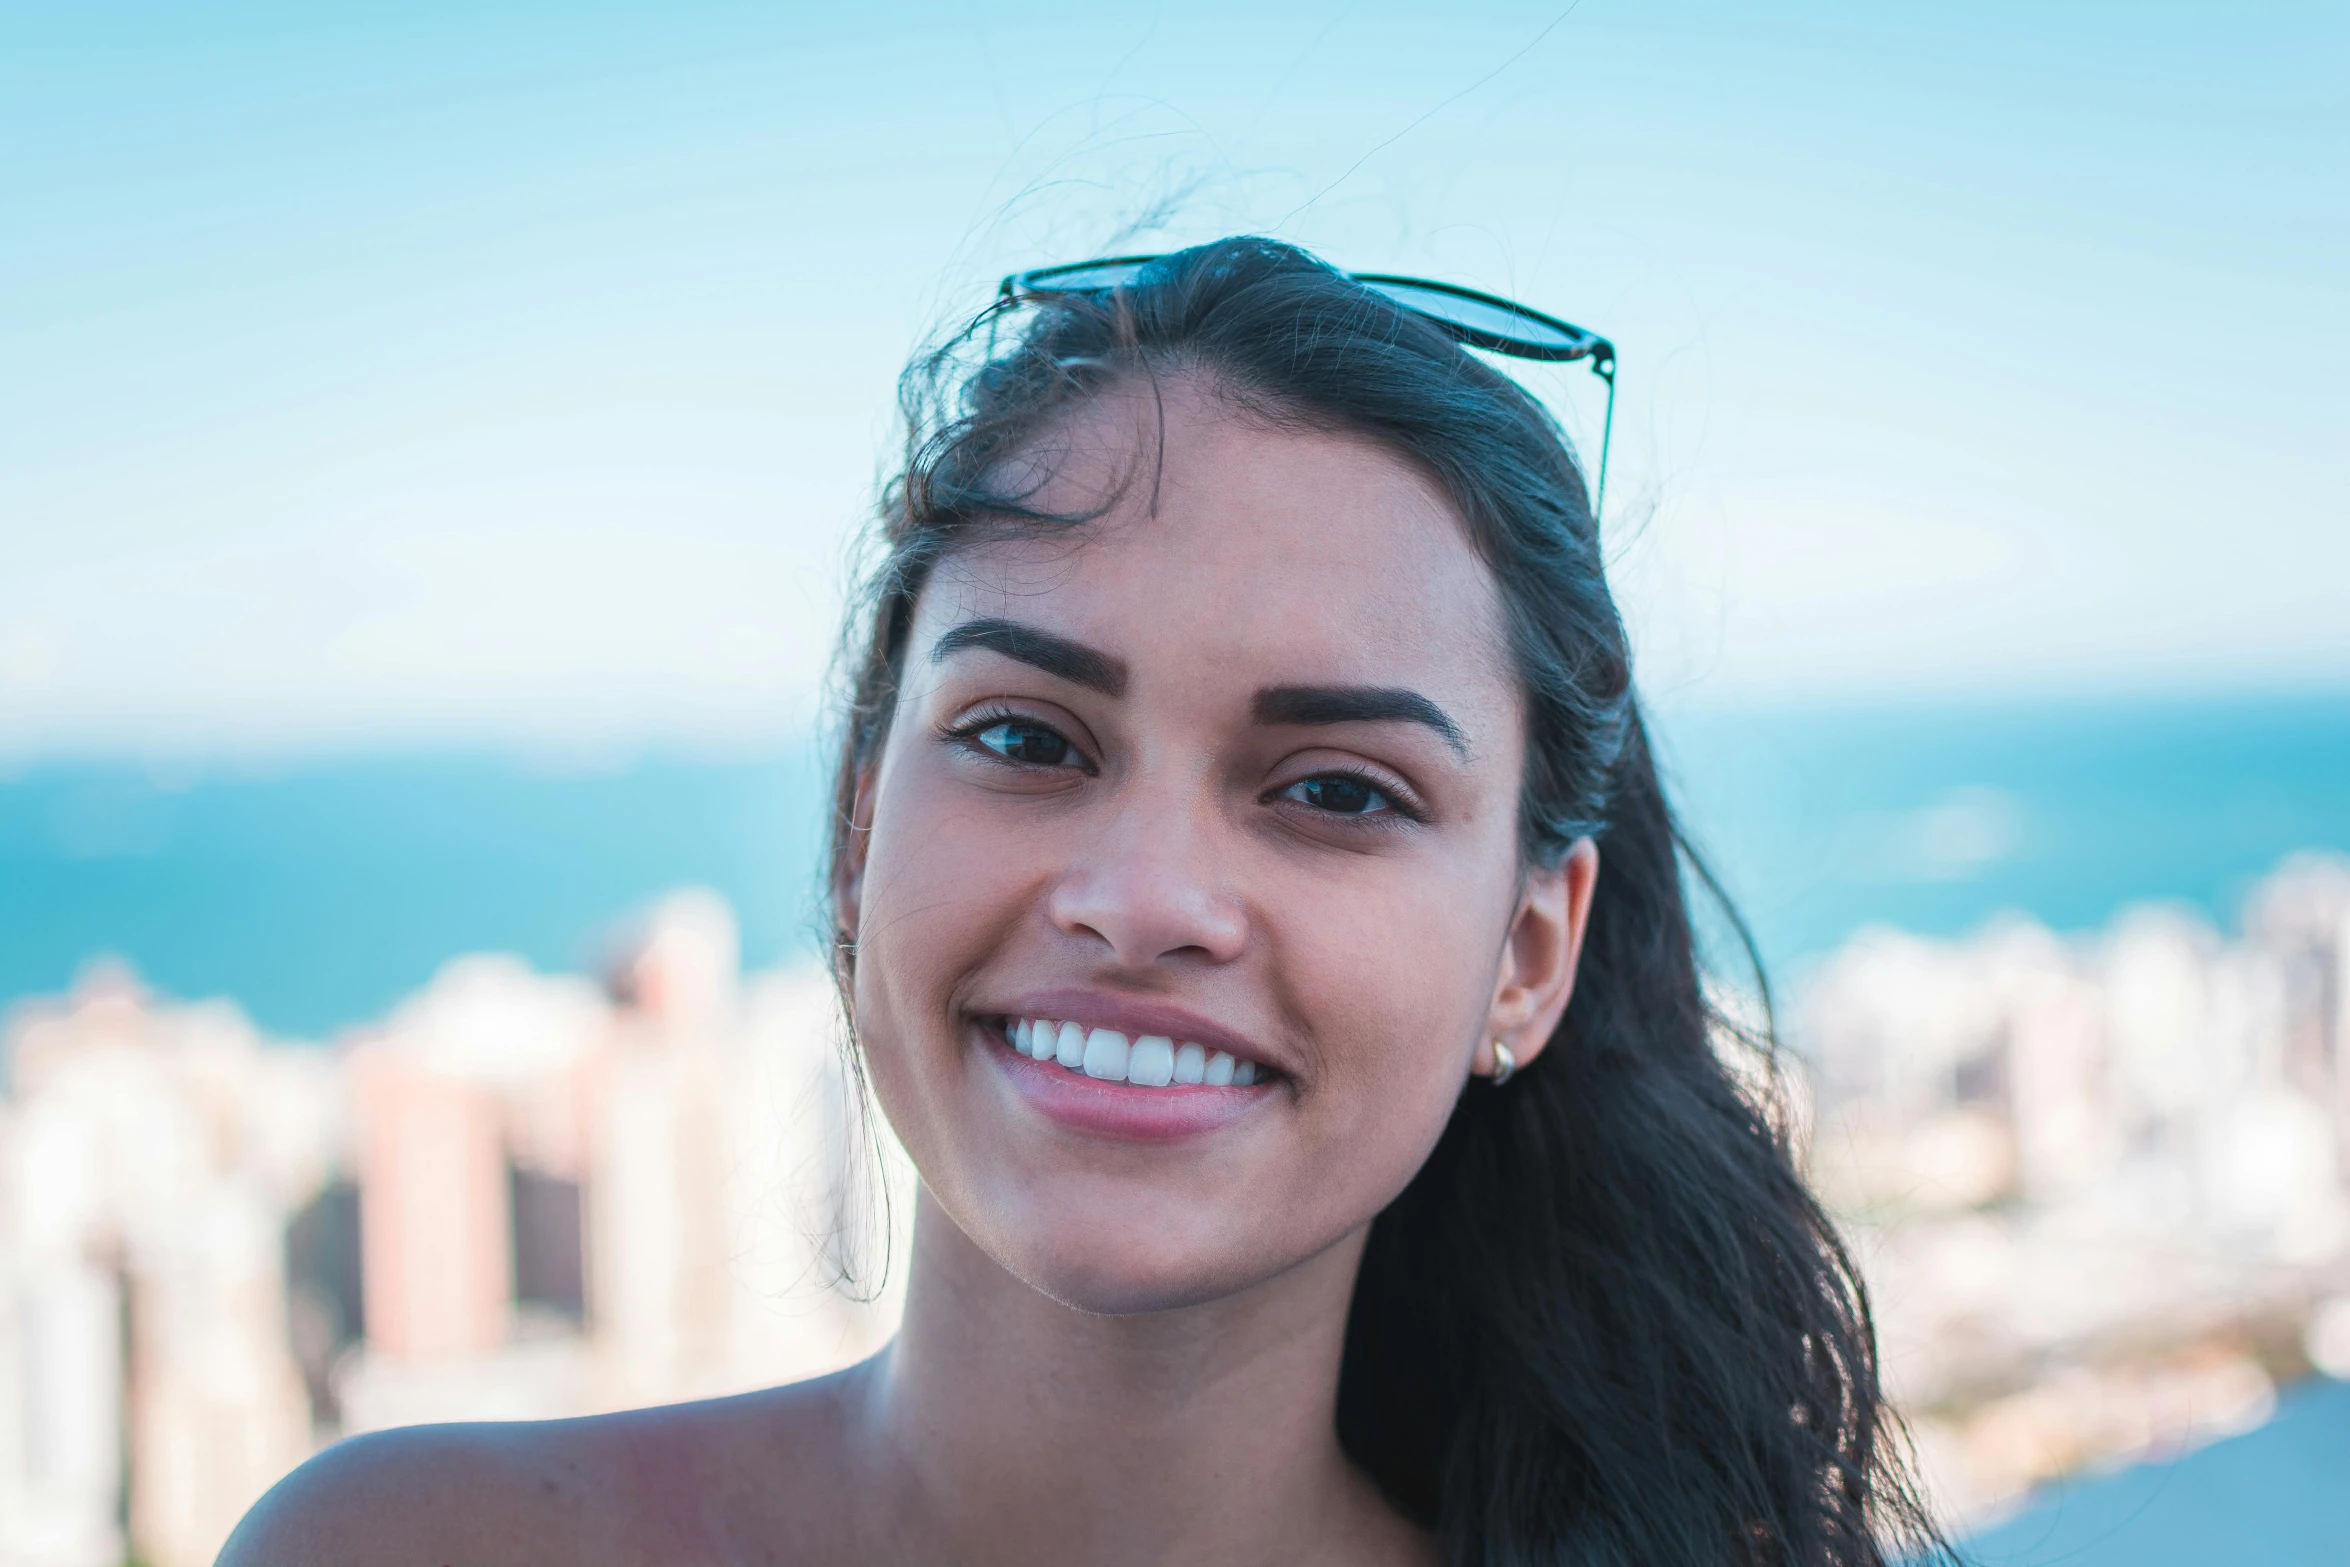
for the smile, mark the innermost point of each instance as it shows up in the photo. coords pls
(1148, 1061)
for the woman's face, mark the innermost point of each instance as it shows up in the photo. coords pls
(1235, 768)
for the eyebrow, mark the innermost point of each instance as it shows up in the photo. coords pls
(1090, 667)
(1354, 705)
(1058, 656)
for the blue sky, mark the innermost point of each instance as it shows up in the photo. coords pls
(381, 375)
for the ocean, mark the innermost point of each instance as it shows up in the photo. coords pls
(318, 893)
(2274, 1497)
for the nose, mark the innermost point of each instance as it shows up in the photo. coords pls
(1152, 886)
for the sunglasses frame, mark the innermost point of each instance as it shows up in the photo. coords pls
(1037, 283)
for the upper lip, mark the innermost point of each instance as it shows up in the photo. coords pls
(1133, 1017)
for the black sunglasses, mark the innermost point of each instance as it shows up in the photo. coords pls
(1471, 319)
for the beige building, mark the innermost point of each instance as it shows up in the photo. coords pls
(572, 1203)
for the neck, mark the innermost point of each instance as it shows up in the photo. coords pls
(1003, 1425)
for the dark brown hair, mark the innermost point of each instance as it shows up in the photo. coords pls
(1606, 1322)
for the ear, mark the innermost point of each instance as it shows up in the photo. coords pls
(848, 870)
(1539, 955)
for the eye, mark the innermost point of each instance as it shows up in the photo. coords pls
(1020, 740)
(1341, 794)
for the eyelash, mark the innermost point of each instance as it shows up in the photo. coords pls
(967, 734)
(1400, 807)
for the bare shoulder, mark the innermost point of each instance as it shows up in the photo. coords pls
(723, 1481)
(453, 1493)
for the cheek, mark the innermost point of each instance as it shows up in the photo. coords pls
(1394, 977)
(938, 894)
(938, 878)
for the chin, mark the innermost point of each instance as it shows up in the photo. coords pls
(1113, 1272)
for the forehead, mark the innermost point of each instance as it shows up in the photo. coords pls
(1238, 548)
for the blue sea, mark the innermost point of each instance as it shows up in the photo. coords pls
(317, 894)
(2276, 1497)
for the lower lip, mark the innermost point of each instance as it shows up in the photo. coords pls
(1101, 1108)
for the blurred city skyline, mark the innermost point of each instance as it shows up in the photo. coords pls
(448, 376)
(2095, 1183)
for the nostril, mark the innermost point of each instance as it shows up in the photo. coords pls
(1150, 918)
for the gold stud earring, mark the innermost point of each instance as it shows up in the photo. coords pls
(1505, 1065)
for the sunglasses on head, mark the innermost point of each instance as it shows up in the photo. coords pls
(1468, 317)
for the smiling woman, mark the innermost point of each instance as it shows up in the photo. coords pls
(1260, 918)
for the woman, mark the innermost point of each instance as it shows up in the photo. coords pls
(1262, 922)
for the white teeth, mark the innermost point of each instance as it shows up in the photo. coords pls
(1153, 1062)
(1106, 1051)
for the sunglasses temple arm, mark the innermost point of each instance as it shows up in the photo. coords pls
(1606, 371)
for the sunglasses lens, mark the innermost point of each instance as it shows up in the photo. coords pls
(1087, 277)
(1490, 319)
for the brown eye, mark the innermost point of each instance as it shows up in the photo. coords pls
(1341, 794)
(1030, 744)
